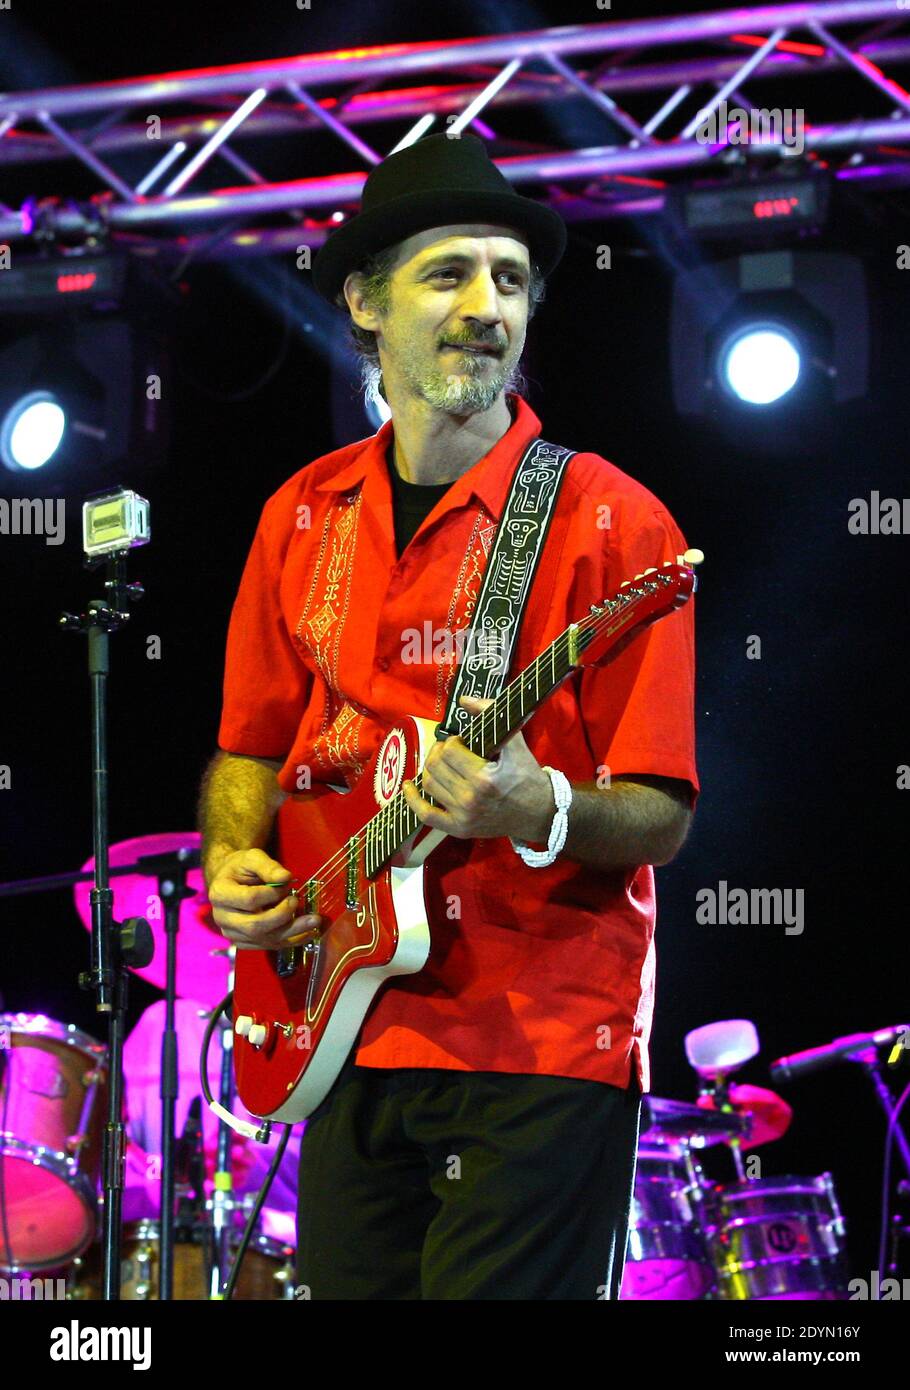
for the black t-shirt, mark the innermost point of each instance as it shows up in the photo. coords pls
(411, 502)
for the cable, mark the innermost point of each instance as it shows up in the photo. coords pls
(210, 1027)
(253, 1218)
(886, 1176)
(275, 1164)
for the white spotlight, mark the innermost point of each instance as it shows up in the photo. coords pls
(759, 363)
(32, 430)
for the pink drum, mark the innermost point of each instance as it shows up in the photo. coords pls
(53, 1088)
(666, 1257)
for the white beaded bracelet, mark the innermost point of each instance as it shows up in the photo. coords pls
(562, 793)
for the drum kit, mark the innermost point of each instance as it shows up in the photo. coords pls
(53, 1110)
(53, 1083)
(755, 1238)
(690, 1237)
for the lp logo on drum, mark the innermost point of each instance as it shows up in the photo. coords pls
(782, 1239)
(4, 1037)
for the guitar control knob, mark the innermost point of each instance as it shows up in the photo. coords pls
(242, 1025)
(257, 1034)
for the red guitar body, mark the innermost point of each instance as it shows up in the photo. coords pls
(312, 1015)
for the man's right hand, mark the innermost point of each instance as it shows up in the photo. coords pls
(250, 914)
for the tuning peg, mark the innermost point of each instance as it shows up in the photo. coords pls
(691, 557)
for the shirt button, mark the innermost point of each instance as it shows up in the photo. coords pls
(382, 664)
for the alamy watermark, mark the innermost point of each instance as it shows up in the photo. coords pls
(77, 1343)
(34, 516)
(877, 1289)
(752, 907)
(879, 516)
(427, 645)
(732, 125)
(24, 1288)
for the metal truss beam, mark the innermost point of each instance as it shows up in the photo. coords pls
(177, 190)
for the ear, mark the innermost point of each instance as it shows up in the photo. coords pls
(361, 312)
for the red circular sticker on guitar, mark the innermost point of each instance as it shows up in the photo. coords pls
(389, 767)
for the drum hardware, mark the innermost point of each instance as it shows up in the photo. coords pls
(167, 866)
(667, 1255)
(691, 1238)
(268, 1269)
(715, 1052)
(204, 960)
(767, 1238)
(139, 865)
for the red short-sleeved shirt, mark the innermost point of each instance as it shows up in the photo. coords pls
(547, 971)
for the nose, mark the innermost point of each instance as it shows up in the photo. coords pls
(480, 301)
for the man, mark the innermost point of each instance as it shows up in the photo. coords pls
(480, 1141)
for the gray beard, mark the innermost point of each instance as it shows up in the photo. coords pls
(467, 395)
(455, 396)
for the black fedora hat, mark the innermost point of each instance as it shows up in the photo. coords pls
(437, 181)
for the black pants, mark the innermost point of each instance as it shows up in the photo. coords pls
(435, 1184)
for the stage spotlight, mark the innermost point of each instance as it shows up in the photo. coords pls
(77, 395)
(784, 328)
(84, 378)
(31, 430)
(759, 363)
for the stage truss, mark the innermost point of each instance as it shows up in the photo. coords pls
(371, 100)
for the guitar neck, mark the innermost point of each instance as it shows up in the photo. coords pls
(387, 831)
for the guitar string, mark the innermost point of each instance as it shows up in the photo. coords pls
(588, 627)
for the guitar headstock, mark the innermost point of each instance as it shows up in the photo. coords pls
(651, 595)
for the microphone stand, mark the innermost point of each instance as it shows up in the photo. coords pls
(223, 1197)
(869, 1061)
(171, 870)
(114, 945)
(720, 1092)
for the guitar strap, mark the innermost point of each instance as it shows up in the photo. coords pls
(523, 527)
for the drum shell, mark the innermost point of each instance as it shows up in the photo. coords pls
(777, 1239)
(267, 1272)
(53, 1102)
(666, 1256)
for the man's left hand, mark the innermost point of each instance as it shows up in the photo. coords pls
(477, 799)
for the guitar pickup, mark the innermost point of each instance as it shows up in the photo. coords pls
(290, 958)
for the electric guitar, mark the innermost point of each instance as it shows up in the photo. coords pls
(359, 857)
